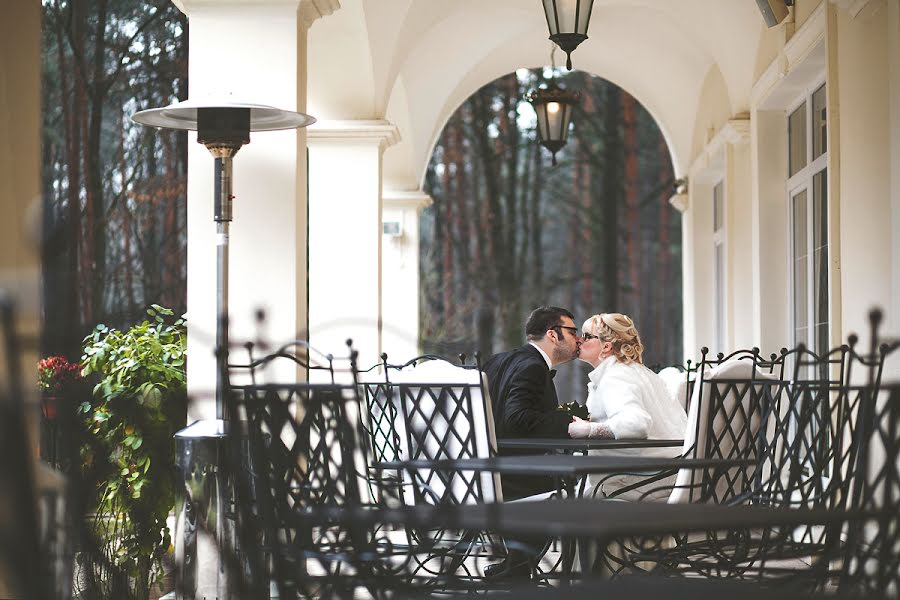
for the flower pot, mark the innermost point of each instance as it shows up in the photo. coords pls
(49, 404)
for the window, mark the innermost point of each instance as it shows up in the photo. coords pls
(718, 206)
(808, 210)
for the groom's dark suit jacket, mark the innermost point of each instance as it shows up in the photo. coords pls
(524, 405)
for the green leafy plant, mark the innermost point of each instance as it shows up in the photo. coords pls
(137, 405)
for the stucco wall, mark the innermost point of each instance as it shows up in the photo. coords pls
(863, 96)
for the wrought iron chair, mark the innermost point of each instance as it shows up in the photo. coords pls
(306, 475)
(432, 409)
(706, 434)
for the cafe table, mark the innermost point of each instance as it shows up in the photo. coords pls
(582, 445)
(593, 524)
(563, 465)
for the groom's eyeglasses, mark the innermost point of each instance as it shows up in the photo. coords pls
(574, 330)
(589, 336)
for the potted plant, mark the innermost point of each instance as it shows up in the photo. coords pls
(57, 377)
(137, 405)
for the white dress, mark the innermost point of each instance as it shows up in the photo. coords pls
(635, 403)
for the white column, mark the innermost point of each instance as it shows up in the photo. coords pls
(345, 235)
(400, 273)
(893, 17)
(255, 51)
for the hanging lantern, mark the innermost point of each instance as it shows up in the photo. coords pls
(553, 106)
(568, 23)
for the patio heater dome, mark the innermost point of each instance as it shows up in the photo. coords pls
(184, 115)
(568, 23)
(553, 106)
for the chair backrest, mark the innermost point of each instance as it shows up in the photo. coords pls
(305, 360)
(726, 413)
(871, 561)
(695, 372)
(301, 450)
(446, 414)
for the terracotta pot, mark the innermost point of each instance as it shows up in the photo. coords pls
(49, 404)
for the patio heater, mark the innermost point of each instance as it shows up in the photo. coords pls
(205, 534)
(223, 127)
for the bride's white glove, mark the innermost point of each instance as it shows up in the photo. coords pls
(579, 428)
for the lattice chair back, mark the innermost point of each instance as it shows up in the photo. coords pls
(446, 415)
(806, 452)
(383, 421)
(871, 563)
(307, 453)
(726, 413)
(294, 360)
(696, 372)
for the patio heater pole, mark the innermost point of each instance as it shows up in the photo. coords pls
(205, 534)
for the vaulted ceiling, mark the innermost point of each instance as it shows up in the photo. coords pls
(691, 63)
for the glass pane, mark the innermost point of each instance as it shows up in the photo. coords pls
(820, 259)
(820, 209)
(584, 15)
(718, 216)
(797, 140)
(800, 273)
(819, 127)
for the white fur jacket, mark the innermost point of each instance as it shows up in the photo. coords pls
(634, 402)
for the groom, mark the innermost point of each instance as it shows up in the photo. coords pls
(522, 391)
(525, 405)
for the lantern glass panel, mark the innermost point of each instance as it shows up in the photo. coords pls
(543, 122)
(568, 16)
(564, 122)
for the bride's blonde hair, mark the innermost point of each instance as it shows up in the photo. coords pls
(620, 330)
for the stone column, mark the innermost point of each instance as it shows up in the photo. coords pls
(254, 51)
(345, 235)
(400, 273)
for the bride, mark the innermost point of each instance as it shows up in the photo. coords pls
(626, 400)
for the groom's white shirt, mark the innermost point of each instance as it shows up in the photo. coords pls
(544, 354)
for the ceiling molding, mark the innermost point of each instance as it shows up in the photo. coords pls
(406, 199)
(735, 132)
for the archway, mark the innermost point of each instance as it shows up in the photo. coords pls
(507, 232)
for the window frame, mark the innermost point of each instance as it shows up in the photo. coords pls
(803, 180)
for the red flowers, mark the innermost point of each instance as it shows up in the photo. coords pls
(55, 374)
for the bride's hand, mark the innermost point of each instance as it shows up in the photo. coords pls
(579, 428)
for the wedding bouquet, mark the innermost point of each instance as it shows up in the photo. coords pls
(576, 410)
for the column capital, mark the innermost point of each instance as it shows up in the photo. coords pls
(381, 132)
(310, 10)
(189, 6)
(405, 199)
